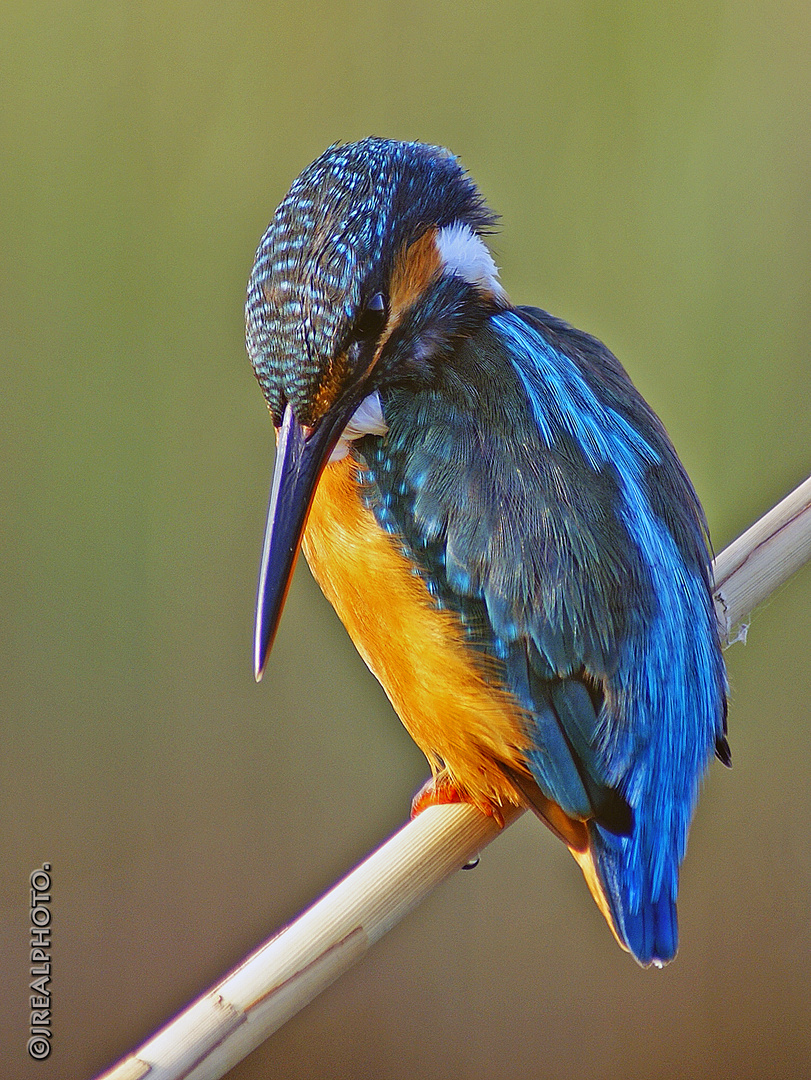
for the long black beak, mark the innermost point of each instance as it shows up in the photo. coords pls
(301, 454)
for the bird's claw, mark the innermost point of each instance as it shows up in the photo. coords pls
(441, 789)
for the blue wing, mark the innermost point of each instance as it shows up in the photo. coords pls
(546, 506)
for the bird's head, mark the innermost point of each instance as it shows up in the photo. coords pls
(372, 267)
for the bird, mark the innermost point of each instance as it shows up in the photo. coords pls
(499, 519)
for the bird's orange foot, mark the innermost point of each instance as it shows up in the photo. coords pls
(441, 789)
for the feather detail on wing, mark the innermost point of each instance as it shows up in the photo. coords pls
(546, 508)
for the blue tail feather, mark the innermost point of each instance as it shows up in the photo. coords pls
(647, 924)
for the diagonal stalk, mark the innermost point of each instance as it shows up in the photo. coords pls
(277, 980)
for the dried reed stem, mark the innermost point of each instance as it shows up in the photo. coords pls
(283, 975)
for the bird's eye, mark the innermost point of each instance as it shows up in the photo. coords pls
(372, 318)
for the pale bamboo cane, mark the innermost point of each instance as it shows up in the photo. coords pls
(228, 1021)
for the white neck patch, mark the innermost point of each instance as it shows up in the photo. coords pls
(367, 419)
(465, 254)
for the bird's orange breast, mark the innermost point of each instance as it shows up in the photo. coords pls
(439, 687)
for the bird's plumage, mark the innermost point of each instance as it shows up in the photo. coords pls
(553, 639)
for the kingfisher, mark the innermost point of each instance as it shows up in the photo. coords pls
(497, 516)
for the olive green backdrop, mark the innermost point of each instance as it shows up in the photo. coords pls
(652, 164)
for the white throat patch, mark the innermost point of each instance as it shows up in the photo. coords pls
(465, 254)
(367, 419)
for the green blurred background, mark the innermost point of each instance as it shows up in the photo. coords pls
(652, 163)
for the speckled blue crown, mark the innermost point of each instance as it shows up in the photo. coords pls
(330, 247)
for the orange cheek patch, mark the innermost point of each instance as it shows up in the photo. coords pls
(414, 270)
(330, 387)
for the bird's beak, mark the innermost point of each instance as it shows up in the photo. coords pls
(301, 453)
